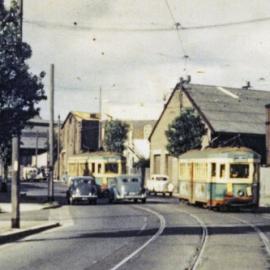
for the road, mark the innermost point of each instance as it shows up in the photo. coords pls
(161, 234)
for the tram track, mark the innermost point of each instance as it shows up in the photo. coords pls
(204, 238)
(260, 233)
(160, 230)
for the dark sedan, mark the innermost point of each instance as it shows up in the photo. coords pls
(82, 189)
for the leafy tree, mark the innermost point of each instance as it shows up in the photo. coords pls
(185, 133)
(115, 135)
(20, 90)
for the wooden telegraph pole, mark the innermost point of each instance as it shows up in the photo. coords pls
(15, 183)
(100, 118)
(58, 147)
(51, 138)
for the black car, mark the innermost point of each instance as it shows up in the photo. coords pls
(82, 189)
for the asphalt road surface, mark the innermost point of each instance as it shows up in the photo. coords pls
(161, 234)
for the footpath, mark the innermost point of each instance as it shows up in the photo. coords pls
(34, 216)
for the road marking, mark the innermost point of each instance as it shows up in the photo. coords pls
(263, 237)
(204, 239)
(153, 238)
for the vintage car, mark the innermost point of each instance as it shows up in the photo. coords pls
(159, 184)
(127, 187)
(82, 188)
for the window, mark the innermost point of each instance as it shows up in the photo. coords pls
(92, 167)
(134, 180)
(213, 169)
(124, 180)
(111, 168)
(239, 171)
(160, 178)
(99, 168)
(222, 171)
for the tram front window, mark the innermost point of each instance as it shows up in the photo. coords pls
(239, 170)
(111, 168)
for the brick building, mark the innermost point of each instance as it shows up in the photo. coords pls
(79, 134)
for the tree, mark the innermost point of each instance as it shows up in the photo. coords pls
(185, 133)
(115, 136)
(20, 90)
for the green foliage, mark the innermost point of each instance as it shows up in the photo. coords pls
(185, 133)
(20, 90)
(115, 136)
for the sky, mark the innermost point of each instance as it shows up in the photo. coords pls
(136, 50)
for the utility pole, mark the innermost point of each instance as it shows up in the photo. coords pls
(58, 148)
(36, 150)
(15, 182)
(51, 131)
(100, 125)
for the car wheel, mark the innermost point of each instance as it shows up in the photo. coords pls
(94, 201)
(135, 200)
(144, 200)
(170, 194)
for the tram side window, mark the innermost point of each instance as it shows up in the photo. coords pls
(239, 171)
(99, 168)
(222, 171)
(111, 168)
(213, 169)
(93, 167)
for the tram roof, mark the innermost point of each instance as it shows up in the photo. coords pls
(97, 155)
(221, 152)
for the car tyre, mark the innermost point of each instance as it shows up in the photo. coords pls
(144, 200)
(135, 200)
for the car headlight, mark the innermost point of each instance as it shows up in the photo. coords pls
(77, 191)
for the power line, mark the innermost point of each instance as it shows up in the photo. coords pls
(177, 26)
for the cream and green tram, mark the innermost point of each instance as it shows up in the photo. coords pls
(219, 177)
(104, 166)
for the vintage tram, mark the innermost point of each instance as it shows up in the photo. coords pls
(219, 178)
(104, 166)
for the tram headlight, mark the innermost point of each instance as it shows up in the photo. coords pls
(240, 193)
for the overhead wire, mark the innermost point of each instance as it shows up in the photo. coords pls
(177, 26)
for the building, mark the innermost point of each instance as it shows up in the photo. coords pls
(79, 134)
(267, 134)
(34, 140)
(137, 144)
(233, 117)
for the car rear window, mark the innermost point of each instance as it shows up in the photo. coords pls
(162, 179)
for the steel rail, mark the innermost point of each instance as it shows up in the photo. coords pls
(153, 238)
(261, 234)
(204, 238)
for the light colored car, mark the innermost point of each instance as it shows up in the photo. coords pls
(160, 184)
(82, 188)
(127, 187)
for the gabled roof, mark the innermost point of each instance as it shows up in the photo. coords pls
(225, 109)
(80, 116)
(231, 110)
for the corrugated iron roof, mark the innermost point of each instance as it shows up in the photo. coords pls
(231, 110)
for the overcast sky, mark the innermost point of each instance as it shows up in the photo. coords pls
(132, 50)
